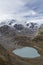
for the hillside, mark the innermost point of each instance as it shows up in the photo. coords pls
(39, 36)
(9, 41)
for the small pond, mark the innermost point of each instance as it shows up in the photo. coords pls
(27, 52)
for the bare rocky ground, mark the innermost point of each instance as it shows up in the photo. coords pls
(10, 42)
(10, 45)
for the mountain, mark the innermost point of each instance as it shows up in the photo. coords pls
(11, 39)
(39, 36)
(12, 22)
(24, 29)
(18, 26)
(6, 30)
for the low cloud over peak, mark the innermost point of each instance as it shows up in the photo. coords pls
(19, 9)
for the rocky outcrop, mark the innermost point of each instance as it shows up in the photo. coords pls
(6, 30)
(18, 26)
(39, 36)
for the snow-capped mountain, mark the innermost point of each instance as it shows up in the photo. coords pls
(25, 28)
(12, 22)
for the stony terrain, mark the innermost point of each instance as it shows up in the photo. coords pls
(10, 40)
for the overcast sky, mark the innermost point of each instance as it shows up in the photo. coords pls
(21, 9)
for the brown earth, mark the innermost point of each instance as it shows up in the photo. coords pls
(10, 42)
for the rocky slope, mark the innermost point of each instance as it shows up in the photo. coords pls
(10, 39)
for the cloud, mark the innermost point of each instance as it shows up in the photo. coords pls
(10, 6)
(20, 9)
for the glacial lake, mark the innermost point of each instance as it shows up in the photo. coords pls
(27, 52)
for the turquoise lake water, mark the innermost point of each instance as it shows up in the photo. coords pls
(27, 52)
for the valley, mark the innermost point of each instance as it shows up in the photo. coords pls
(10, 40)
